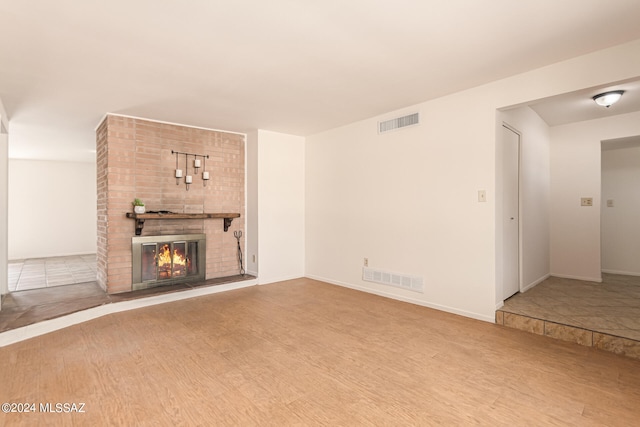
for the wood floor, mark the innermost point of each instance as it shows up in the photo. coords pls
(304, 352)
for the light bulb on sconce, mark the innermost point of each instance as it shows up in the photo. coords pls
(196, 164)
(205, 178)
(178, 171)
(188, 180)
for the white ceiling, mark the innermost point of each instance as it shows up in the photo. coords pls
(579, 106)
(289, 66)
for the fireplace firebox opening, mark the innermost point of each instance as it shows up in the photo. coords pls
(168, 259)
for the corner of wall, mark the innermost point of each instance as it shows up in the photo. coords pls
(251, 182)
(4, 200)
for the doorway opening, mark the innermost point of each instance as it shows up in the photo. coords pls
(620, 206)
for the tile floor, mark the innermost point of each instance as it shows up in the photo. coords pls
(38, 273)
(604, 315)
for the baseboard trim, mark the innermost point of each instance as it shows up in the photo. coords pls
(586, 279)
(537, 282)
(57, 255)
(464, 313)
(622, 273)
(278, 279)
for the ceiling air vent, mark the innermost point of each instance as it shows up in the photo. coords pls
(399, 122)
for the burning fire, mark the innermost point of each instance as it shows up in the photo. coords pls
(165, 258)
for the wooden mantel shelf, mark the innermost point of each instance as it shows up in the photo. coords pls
(140, 218)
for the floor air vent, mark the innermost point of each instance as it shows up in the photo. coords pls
(411, 283)
(399, 122)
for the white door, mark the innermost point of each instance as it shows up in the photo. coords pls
(510, 213)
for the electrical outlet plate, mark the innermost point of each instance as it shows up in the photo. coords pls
(366, 262)
(586, 201)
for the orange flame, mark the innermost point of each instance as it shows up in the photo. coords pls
(164, 257)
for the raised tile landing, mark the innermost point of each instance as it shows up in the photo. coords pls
(602, 315)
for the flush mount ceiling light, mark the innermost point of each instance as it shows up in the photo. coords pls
(607, 99)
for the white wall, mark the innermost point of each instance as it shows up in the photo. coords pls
(534, 194)
(408, 200)
(52, 208)
(620, 223)
(576, 173)
(281, 194)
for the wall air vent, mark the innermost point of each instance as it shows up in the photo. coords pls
(398, 123)
(404, 281)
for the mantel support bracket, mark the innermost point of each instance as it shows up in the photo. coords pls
(227, 223)
(139, 226)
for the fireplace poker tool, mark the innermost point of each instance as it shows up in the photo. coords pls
(238, 234)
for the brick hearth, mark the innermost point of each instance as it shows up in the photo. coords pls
(134, 160)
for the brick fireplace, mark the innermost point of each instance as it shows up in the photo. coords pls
(135, 160)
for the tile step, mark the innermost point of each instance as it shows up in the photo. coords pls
(590, 338)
